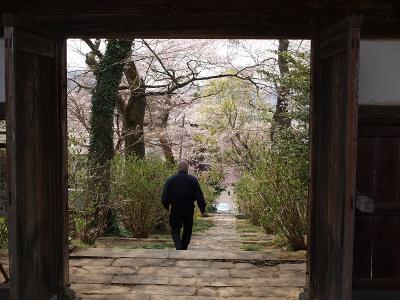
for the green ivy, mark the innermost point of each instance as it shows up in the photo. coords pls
(108, 78)
(101, 146)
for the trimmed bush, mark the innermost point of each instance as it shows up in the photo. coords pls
(137, 186)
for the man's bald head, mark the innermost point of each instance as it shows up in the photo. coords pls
(183, 166)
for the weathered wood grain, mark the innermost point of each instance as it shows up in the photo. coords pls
(334, 134)
(379, 115)
(36, 157)
(207, 18)
(332, 122)
(376, 243)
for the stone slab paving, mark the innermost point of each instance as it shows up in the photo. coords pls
(135, 255)
(155, 278)
(223, 236)
(221, 272)
(212, 268)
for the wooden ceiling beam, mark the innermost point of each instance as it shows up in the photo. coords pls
(206, 18)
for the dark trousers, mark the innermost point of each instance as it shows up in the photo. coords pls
(177, 219)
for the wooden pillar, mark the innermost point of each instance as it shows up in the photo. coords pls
(36, 151)
(333, 161)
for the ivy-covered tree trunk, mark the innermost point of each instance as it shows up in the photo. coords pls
(280, 118)
(108, 74)
(134, 123)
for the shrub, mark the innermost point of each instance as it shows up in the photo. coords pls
(274, 194)
(210, 183)
(88, 214)
(3, 233)
(88, 207)
(209, 192)
(137, 186)
(248, 199)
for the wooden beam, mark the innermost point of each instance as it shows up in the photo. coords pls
(207, 19)
(379, 115)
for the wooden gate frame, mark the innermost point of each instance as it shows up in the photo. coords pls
(51, 133)
(63, 140)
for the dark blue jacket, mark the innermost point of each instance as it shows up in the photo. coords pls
(181, 191)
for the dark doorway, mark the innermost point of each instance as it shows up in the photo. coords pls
(376, 243)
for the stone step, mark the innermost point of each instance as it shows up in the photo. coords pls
(93, 291)
(269, 257)
(121, 239)
(142, 296)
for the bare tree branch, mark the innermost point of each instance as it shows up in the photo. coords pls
(94, 47)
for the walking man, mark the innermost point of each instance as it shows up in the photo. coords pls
(180, 192)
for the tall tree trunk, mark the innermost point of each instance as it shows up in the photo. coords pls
(164, 140)
(101, 148)
(280, 118)
(167, 148)
(134, 122)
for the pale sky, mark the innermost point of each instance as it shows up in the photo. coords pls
(77, 49)
(241, 53)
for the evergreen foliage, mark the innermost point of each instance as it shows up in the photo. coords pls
(108, 78)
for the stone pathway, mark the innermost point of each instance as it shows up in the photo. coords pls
(223, 236)
(212, 268)
(195, 274)
(227, 196)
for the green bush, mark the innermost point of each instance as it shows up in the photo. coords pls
(274, 195)
(250, 201)
(90, 207)
(137, 186)
(213, 177)
(87, 207)
(3, 233)
(210, 194)
(280, 207)
(210, 183)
